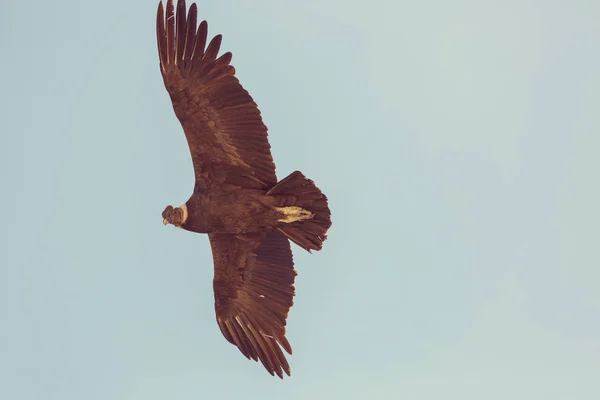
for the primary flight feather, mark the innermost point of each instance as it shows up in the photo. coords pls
(248, 215)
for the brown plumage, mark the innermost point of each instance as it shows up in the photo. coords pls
(248, 215)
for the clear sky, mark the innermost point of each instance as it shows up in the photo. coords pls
(457, 141)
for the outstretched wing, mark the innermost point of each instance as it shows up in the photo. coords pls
(254, 290)
(222, 124)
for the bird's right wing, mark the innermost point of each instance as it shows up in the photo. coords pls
(254, 290)
(222, 123)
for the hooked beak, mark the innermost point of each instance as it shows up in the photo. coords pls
(165, 222)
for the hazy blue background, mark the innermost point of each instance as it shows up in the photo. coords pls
(458, 143)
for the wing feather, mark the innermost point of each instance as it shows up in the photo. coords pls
(190, 36)
(222, 123)
(181, 32)
(170, 19)
(200, 42)
(160, 37)
(254, 290)
(211, 52)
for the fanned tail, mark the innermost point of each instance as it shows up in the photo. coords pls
(305, 214)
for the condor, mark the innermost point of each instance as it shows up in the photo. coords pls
(249, 216)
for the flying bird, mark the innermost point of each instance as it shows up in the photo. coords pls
(249, 216)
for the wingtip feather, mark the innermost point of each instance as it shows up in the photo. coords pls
(190, 35)
(160, 35)
(181, 22)
(213, 49)
(200, 43)
(170, 24)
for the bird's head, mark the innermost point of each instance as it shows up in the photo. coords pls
(175, 215)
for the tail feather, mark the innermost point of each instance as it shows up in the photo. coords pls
(298, 191)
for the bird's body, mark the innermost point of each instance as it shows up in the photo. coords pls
(232, 211)
(237, 200)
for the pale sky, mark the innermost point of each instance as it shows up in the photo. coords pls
(457, 142)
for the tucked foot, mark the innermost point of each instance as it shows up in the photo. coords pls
(293, 214)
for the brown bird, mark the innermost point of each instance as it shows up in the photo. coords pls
(248, 215)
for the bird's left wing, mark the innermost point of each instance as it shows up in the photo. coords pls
(254, 290)
(222, 123)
